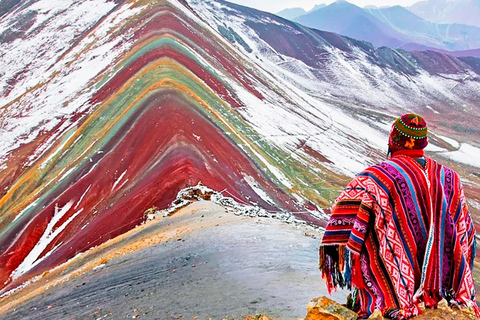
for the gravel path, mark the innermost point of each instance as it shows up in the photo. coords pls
(245, 266)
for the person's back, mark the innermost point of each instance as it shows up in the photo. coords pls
(401, 233)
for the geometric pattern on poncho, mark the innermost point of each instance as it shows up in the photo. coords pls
(401, 234)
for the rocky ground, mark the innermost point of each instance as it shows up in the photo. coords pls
(323, 308)
(210, 264)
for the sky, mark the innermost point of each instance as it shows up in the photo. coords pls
(275, 6)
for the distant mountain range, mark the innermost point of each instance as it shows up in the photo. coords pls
(448, 36)
(394, 27)
(292, 13)
(347, 19)
(449, 11)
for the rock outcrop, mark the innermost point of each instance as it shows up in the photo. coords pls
(322, 308)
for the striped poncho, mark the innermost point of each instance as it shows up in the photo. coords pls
(400, 234)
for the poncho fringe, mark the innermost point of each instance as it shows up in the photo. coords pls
(338, 266)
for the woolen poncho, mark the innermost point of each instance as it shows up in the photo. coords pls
(401, 234)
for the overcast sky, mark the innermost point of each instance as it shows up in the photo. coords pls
(275, 6)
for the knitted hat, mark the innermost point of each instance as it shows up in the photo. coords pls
(408, 132)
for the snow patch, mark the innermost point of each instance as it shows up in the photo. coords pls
(65, 88)
(99, 267)
(259, 191)
(433, 110)
(81, 198)
(119, 179)
(466, 154)
(32, 259)
(450, 141)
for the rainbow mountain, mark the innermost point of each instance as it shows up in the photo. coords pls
(110, 108)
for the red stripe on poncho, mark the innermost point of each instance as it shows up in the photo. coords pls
(401, 234)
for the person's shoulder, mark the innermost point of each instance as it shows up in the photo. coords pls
(373, 169)
(435, 164)
(440, 166)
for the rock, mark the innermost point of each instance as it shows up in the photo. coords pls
(323, 308)
(376, 315)
(421, 305)
(443, 305)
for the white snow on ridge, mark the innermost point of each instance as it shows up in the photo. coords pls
(32, 259)
(434, 148)
(68, 92)
(118, 180)
(59, 148)
(62, 21)
(83, 195)
(261, 193)
(433, 110)
(275, 120)
(31, 205)
(302, 105)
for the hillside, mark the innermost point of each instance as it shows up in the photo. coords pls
(212, 262)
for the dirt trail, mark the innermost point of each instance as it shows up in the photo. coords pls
(214, 265)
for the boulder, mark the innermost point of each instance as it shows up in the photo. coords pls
(376, 315)
(323, 308)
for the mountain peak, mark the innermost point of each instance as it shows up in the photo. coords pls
(318, 6)
(291, 13)
(343, 4)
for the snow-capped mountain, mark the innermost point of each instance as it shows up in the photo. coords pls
(139, 100)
